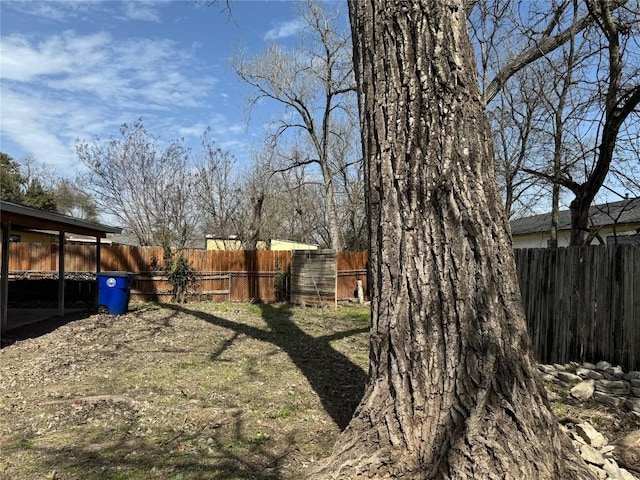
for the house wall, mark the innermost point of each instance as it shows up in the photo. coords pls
(33, 237)
(540, 240)
(234, 245)
(285, 245)
(223, 244)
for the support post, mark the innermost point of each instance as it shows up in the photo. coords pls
(4, 281)
(98, 257)
(61, 255)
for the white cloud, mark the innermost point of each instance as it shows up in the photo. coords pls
(56, 11)
(140, 10)
(25, 120)
(81, 82)
(25, 59)
(67, 86)
(284, 30)
(67, 10)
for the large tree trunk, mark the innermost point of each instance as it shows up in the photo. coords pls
(453, 390)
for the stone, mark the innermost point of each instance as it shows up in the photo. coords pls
(612, 468)
(635, 391)
(633, 375)
(598, 472)
(602, 365)
(617, 387)
(583, 390)
(590, 435)
(633, 404)
(589, 366)
(570, 378)
(583, 372)
(591, 455)
(615, 371)
(635, 382)
(595, 375)
(628, 449)
(548, 369)
(611, 384)
(626, 475)
(551, 395)
(608, 399)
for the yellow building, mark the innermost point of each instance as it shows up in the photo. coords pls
(32, 236)
(49, 236)
(288, 245)
(233, 244)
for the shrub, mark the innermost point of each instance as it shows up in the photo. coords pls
(180, 274)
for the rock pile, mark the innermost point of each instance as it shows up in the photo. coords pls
(602, 382)
(608, 385)
(599, 455)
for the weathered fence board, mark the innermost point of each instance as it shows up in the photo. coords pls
(314, 277)
(583, 303)
(352, 267)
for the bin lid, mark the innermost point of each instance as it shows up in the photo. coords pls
(113, 274)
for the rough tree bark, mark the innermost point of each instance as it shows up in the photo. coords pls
(453, 391)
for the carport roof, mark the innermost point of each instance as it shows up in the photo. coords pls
(20, 216)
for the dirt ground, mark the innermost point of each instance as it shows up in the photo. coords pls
(198, 391)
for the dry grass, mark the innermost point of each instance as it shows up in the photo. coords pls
(201, 391)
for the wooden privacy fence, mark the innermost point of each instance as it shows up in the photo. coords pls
(221, 275)
(583, 303)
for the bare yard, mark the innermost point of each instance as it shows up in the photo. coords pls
(202, 391)
(199, 391)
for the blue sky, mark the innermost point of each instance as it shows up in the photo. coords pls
(79, 69)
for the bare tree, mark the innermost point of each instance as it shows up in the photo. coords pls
(563, 110)
(217, 191)
(621, 98)
(295, 200)
(349, 184)
(516, 125)
(596, 89)
(537, 35)
(148, 190)
(314, 85)
(599, 40)
(453, 390)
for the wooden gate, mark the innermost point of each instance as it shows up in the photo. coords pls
(314, 278)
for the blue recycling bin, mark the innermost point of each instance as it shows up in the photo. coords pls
(114, 289)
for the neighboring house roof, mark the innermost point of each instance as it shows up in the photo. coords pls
(618, 213)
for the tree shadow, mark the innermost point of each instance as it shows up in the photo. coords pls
(108, 454)
(41, 327)
(338, 382)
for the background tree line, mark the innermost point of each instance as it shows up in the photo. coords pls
(31, 183)
(561, 89)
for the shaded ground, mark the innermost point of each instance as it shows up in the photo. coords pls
(202, 391)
